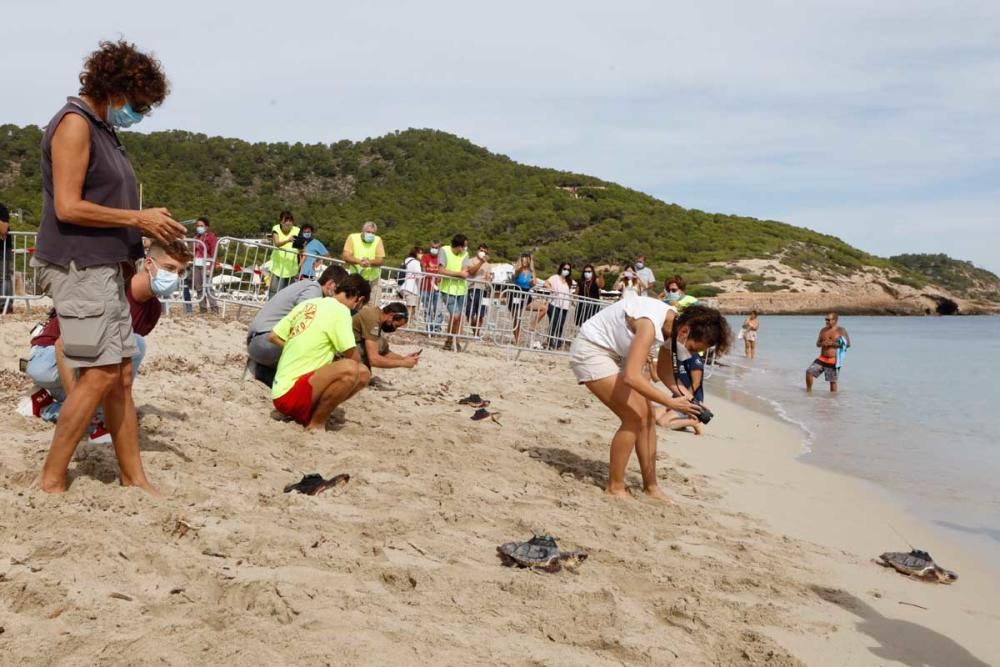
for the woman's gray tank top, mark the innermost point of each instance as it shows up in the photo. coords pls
(110, 181)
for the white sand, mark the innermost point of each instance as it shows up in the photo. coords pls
(761, 560)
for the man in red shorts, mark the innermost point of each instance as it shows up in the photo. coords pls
(309, 383)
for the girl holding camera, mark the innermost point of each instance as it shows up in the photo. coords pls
(608, 356)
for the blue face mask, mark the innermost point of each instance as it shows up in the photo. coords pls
(164, 283)
(124, 117)
(368, 237)
(307, 235)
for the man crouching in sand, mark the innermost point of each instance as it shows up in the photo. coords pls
(308, 383)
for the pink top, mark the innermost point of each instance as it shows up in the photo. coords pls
(560, 291)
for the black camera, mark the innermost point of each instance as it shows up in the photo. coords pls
(705, 415)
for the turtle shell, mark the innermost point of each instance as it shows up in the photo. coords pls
(540, 551)
(917, 563)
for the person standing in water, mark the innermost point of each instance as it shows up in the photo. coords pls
(609, 355)
(751, 326)
(832, 341)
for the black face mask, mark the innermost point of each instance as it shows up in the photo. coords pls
(388, 328)
(355, 310)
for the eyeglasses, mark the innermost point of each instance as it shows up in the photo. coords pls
(828, 320)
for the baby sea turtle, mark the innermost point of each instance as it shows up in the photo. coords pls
(314, 484)
(917, 564)
(539, 553)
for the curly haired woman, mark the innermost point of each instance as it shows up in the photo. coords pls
(91, 225)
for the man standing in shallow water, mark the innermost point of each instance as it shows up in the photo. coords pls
(830, 344)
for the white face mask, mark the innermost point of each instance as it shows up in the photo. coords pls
(482, 254)
(587, 275)
(199, 230)
(434, 251)
(639, 265)
(564, 273)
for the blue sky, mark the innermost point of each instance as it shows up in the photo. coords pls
(876, 122)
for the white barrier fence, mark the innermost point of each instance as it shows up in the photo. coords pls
(18, 279)
(242, 271)
(498, 314)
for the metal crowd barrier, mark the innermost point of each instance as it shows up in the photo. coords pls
(241, 272)
(498, 314)
(18, 279)
(429, 307)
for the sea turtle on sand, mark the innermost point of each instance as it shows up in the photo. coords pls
(539, 553)
(314, 484)
(917, 564)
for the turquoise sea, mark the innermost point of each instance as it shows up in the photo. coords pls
(918, 412)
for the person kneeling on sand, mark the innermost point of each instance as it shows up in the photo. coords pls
(608, 356)
(262, 352)
(309, 383)
(158, 275)
(369, 324)
(688, 383)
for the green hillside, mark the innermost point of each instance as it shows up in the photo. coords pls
(424, 184)
(954, 275)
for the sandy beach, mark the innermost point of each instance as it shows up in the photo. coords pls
(761, 559)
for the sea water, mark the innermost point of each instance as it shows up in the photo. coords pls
(918, 411)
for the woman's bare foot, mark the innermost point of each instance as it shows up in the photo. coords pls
(49, 485)
(698, 428)
(657, 493)
(618, 493)
(144, 485)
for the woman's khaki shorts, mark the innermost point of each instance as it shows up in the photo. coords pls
(591, 362)
(95, 324)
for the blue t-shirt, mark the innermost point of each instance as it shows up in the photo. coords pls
(692, 363)
(314, 247)
(524, 280)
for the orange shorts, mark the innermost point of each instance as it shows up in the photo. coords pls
(297, 402)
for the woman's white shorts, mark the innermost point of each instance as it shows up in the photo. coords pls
(591, 362)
